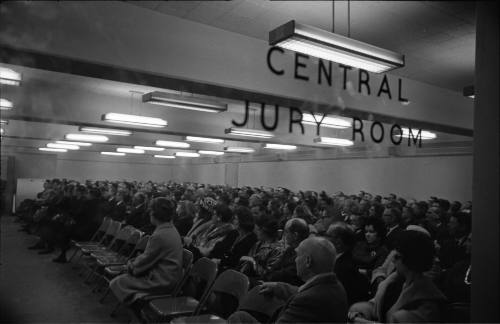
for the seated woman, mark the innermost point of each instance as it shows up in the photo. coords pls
(159, 267)
(417, 298)
(201, 223)
(371, 252)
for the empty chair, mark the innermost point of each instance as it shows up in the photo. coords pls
(95, 239)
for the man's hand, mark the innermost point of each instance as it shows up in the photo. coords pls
(268, 288)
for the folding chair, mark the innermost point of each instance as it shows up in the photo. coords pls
(221, 301)
(260, 306)
(95, 239)
(194, 289)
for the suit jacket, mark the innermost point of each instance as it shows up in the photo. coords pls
(323, 299)
(138, 216)
(240, 247)
(156, 270)
(356, 285)
(285, 269)
(392, 237)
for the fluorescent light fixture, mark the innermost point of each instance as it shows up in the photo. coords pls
(149, 148)
(4, 122)
(235, 149)
(5, 104)
(129, 150)
(164, 156)
(134, 120)
(74, 143)
(332, 47)
(330, 122)
(113, 153)
(48, 149)
(187, 154)
(424, 134)
(333, 141)
(280, 147)
(105, 131)
(86, 138)
(1, 131)
(469, 92)
(183, 102)
(172, 144)
(204, 140)
(63, 146)
(9, 77)
(210, 152)
(248, 132)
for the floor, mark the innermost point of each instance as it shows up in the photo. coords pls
(33, 289)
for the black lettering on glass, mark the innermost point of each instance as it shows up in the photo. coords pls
(269, 65)
(322, 70)
(356, 129)
(381, 138)
(345, 68)
(247, 105)
(400, 87)
(411, 137)
(363, 79)
(263, 117)
(295, 121)
(301, 65)
(384, 87)
(398, 134)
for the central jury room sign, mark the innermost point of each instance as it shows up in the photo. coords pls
(324, 76)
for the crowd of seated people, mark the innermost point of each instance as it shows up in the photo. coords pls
(386, 249)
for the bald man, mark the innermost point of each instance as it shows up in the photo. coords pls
(321, 298)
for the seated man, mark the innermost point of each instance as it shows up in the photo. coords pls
(321, 299)
(159, 268)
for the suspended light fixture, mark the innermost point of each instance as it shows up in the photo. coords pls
(333, 47)
(63, 146)
(48, 149)
(134, 120)
(164, 156)
(235, 149)
(204, 140)
(280, 147)
(4, 122)
(172, 144)
(74, 143)
(105, 131)
(9, 77)
(187, 154)
(149, 148)
(129, 150)
(204, 152)
(333, 141)
(183, 102)
(330, 122)
(113, 153)
(86, 138)
(425, 135)
(248, 132)
(5, 104)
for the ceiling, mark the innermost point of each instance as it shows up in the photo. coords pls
(436, 37)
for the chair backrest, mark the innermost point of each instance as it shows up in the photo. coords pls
(113, 229)
(101, 230)
(260, 306)
(226, 292)
(140, 246)
(120, 239)
(187, 263)
(200, 278)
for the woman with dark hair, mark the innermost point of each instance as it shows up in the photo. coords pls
(371, 252)
(418, 299)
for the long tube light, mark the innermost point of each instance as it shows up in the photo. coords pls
(63, 146)
(187, 154)
(280, 147)
(74, 143)
(333, 141)
(330, 122)
(164, 156)
(182, 102)
(129, 150)
(426, 135)
(4, 122)
(1, 131)
(149, 148)
(332, 47)
(48, 149)
(9, 77)
(204, 140)
(113, 153)
(86, 138)
(134, 120)
(204, 152)
(105, 131)
(172, 144)
(248, 132)
(234, 149)
(6, 104)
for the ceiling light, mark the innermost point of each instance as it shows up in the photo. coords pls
(149, 148)
(182, 102)
(424, 134)
(280, 147)
(4, 122)
(187, 154)
(63, 146)
(210, 152)
(105, 131)
(5, 104)
(1, 131)
(172, 144)
(129, 150)
(248, 132)
(134, 120)
(469, 92)
(332, 47)
(239, 149)
(74, 143)
(86, 137)
(333, 141)
(204, 139)
(113, 153)
(9, 77)
(164, 156)
(331, 122)
(52, 149)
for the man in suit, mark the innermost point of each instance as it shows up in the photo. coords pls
(392, 220)
(320, 299)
